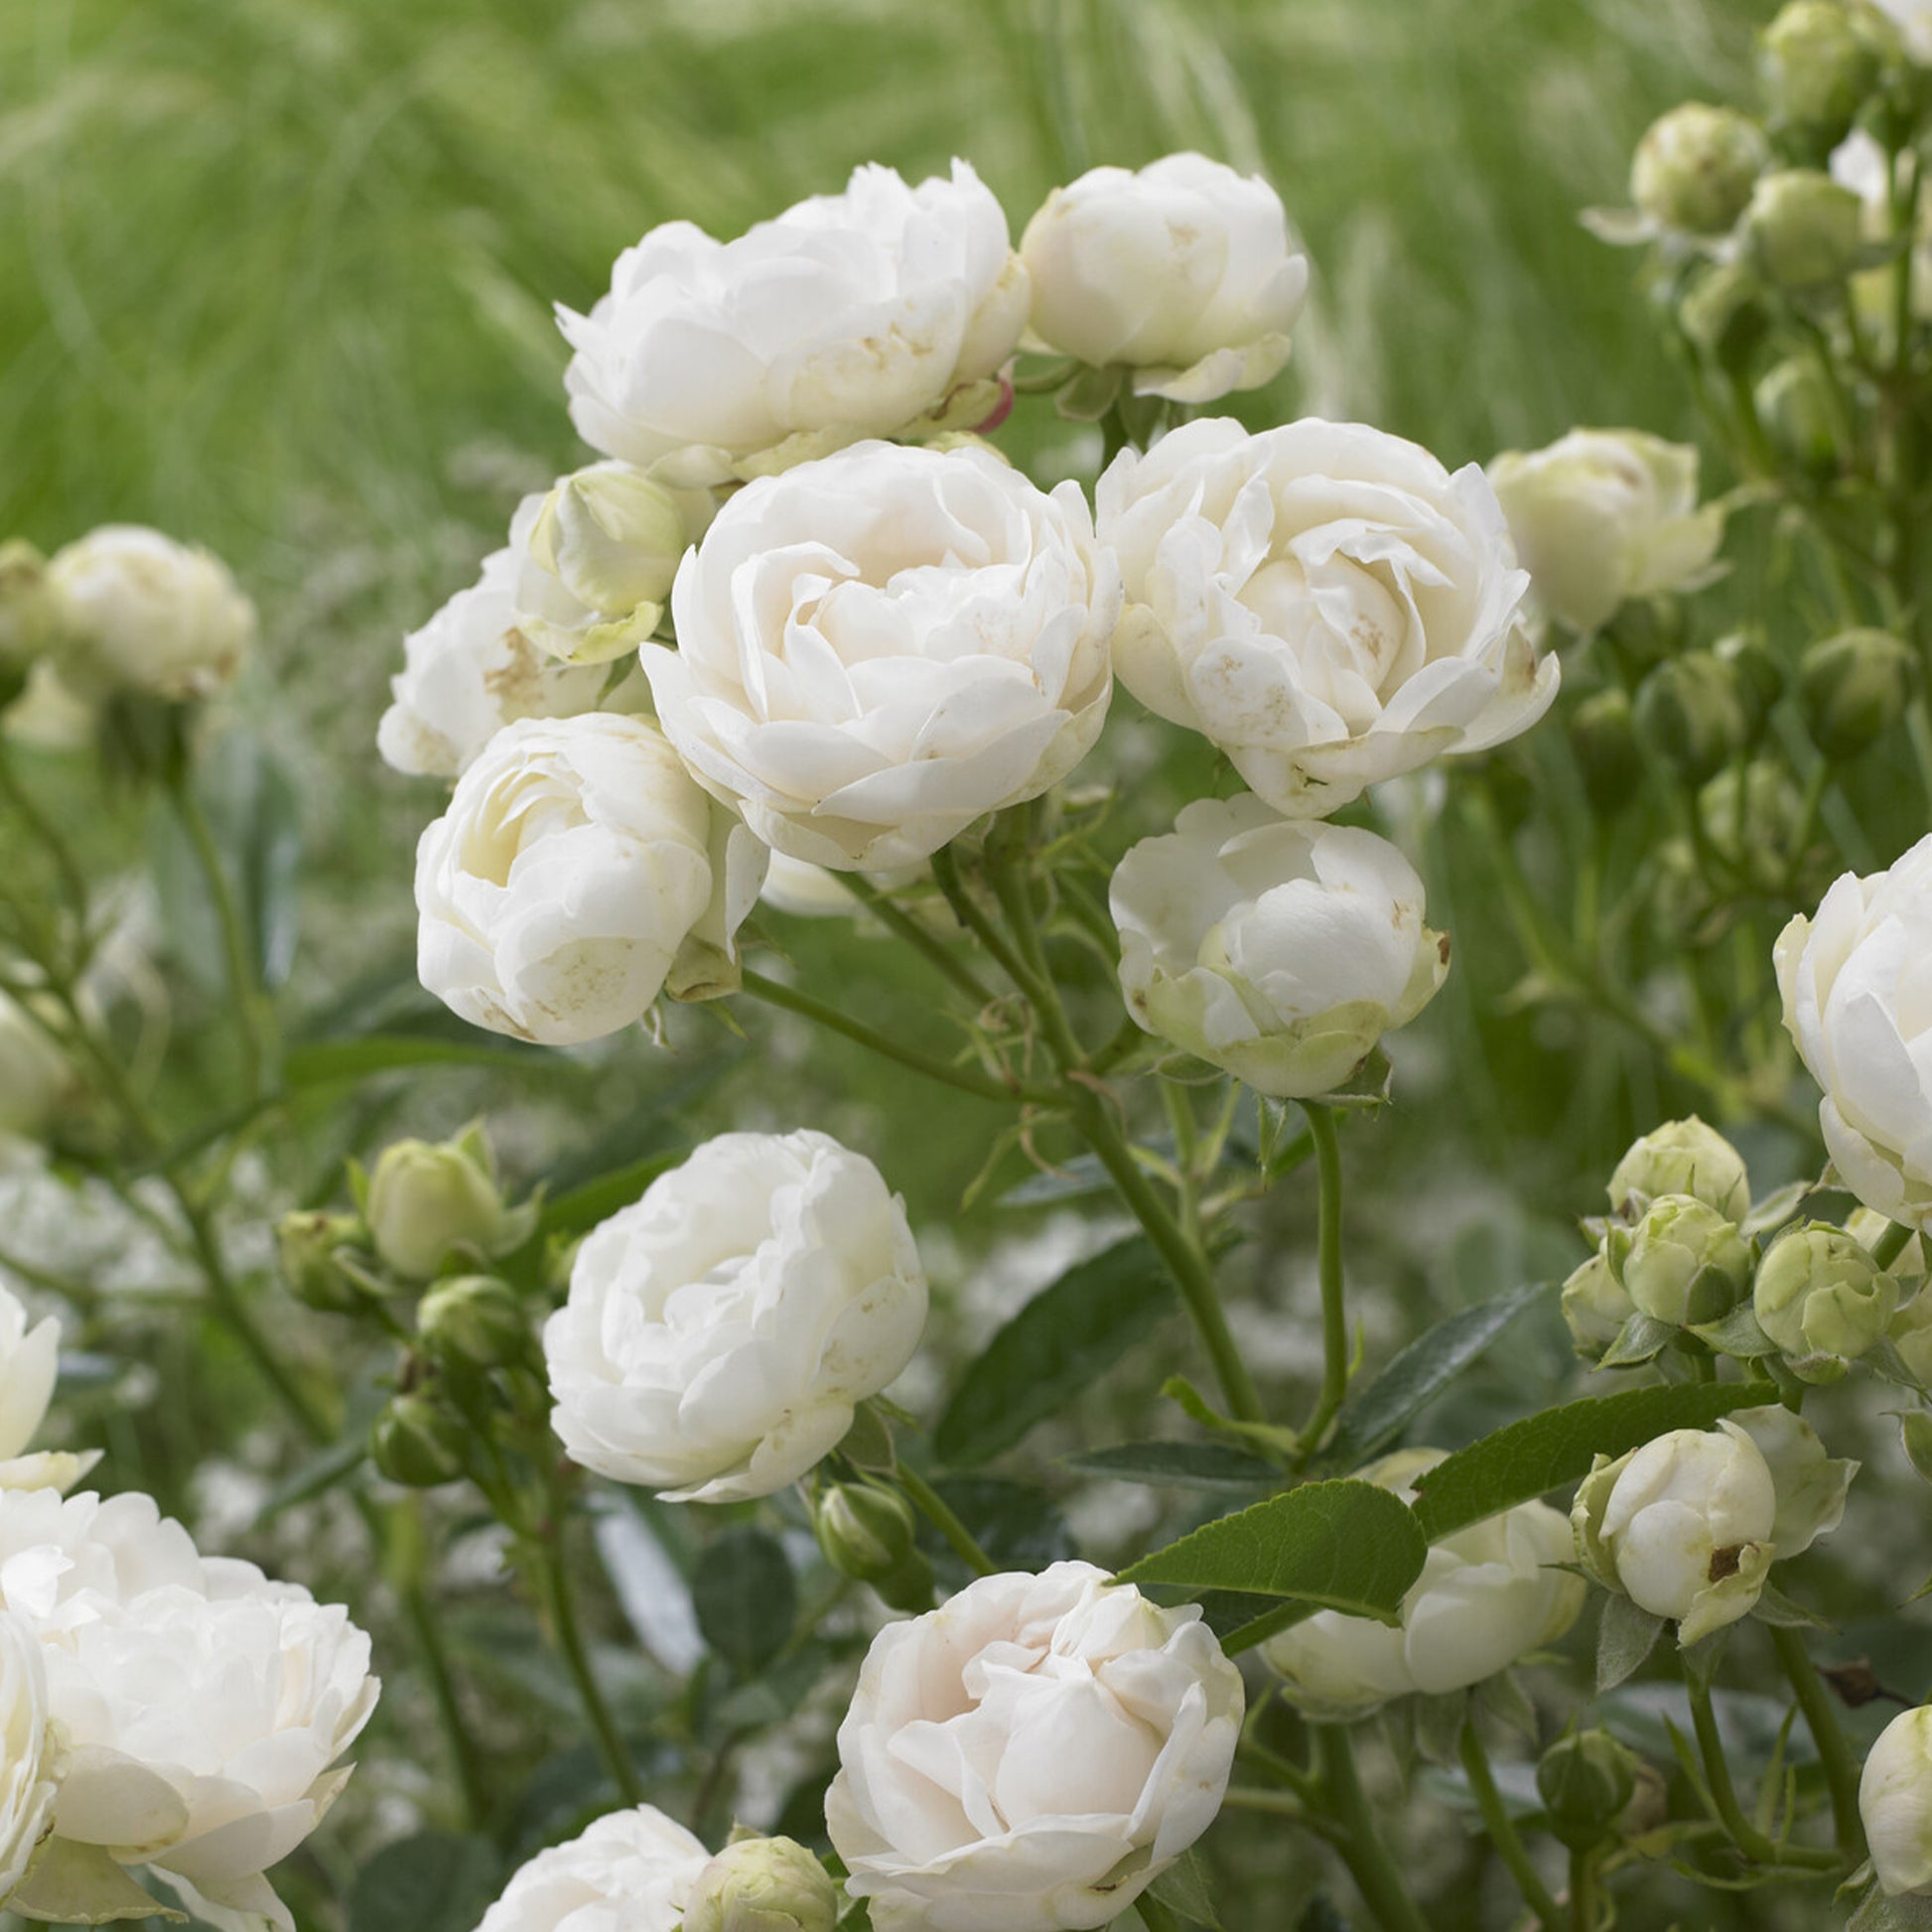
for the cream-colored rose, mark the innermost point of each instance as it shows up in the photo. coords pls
(1184, 273)
(1324, 602)
(631, 1871)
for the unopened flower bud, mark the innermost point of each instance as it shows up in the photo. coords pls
(1823, 1299)
(1693, 710)
(477, 1319)
(1852, 688)
(1649, 630)
(1595, 1305)
(1687, 1263)
(1682, 1157)
(1694, 168)
(1910, 1332)
(1895, 1803)
(306, 1241)
(1724, 313)
(1794, 403)
(763, 1885)
(868, 1532)
(1604, 742)
(1759, 677)
(429, 1199)
(1681, 900)
(1817, 66)
(1804, 230)
(1754, 817)
(418, 1442)
(1585, 1780)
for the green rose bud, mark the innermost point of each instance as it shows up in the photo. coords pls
(1595, 1305)
(1693, 709)
(1795, 404)
(868, 1532)
(428, 1200)
(1694, 168)
(1682, 1157)
(1759, 677)
(1910, 1332)
(308, 1241)
(1803, 229)
(1817, 66)
(1687, 1263)
(475, 1319)
(1604, 742)
(1585, 1780)
(1821, 1298)
(1647, 629)
(1753, 820)
(763, 1885)
(1724, 313)
(419, 1443)
(1681, 902)
(1852, 688)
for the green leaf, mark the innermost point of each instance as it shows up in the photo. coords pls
(1057, 1346)
(1214, 1466)
(745, 1597)
(433, 1881)
(1626, 1637)
(1529, 1458)
(1184, 1888)
(320, 1063)
(1345, 1546)
(1087, 395)
(1378, 1413)
(1737, 1335)
(1641, 1339)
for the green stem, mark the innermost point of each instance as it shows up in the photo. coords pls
(1503, 1834)
(1582, 1890)
(1724, 1796)
(1335, 1302)
(1891, 1244)
(1833, 1753)
(561, 1603)
(1374, 1872)
(966, 1079)
(74, 881)
(934, 1509)
(251, 1011)
(427, 1632)
(925, 944)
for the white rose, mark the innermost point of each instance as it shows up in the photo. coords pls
(1851, 980)
(1323, 602)
(1281, 951)
(1913, 19)
(469, 671)
(577, 874)
(1031, 1756)
(30, 1361)
(36, 1077)
(1683, 1526)
(721, 1330)
(1487, 1596)
(142, 613)
(631, 1871)
(595, 555)
(29, 1757)
(851, 315)
(203, 1708)
(875, 649)
(1184, 272)
(1896, 1802)
(1604, 516)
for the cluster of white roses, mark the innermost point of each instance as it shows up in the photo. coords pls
(160, 1713)
(795, 612)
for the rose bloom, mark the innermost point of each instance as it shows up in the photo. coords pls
(875, 649)
(1323, 602)
(469, 672)
(29, 1757)
(1857, 983)
(1487, 1596)
(577, 874)
(720, 1332)
(1913, 19)
(850, 316)
(141, 613)
(1895, 1803)
(30, 1360)
(204, 1708)
(631, 1871)
(1184, 272)
(1030, 1757)
(1604, 516)
(1279, 950)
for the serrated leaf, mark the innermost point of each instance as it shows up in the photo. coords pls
(1625, 1637)
(1184, 1888)
(1737, 1335)
(1916, 1428)
(1378, 1413)
(745, 1597)
(1214, 1466)
(320, 1063)
(1058, 1345)
(1345, 1546)
(1527, 1459)
(1641, 1339)
(431, 1882)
